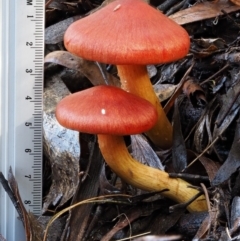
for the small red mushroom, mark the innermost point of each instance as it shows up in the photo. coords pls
(111, 113)
(131, 34)
(106, 110)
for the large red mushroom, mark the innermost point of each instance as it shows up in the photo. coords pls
(131, 34)
(111, 113)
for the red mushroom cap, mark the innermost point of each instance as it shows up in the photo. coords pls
(106, 110)
(127, 32)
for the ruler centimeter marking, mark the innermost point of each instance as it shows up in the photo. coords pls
(21, 104)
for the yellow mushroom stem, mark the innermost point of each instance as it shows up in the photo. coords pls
(134, 79)
(116, 155)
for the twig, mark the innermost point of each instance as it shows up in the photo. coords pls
(206, 196)
(169, 104)
(103, 71)
(99, 199)
(229, 17)
(129, 223)
(216, 74)
(184, 205)
(204, 151)
(48, 3)
(187, 176)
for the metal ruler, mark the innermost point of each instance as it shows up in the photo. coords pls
(21, 89)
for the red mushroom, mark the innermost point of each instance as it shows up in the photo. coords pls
(111, 113)
(131, 34)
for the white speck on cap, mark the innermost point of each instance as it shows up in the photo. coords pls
(103, 111)
(117, 7)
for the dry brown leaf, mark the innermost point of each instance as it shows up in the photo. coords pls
(54, 33)
(33, 229)
(61, 147)
(26, 221)
(235, 214)
(86, 67)
(230, 57)
(164, 91)
(210, 166)
(237, 2)
(230, 107)
(204, 10)
(206, 43)
(205, 47)
(194, 91)
(57, 4)
(203, 133)
(142, 151)
(203, 228)
(125, 219)
(179, 152)
(232, 163)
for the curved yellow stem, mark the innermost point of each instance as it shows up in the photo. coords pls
(144, 177)
(134, 79)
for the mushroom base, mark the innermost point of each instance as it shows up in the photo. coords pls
(116, 155)
(134, 79)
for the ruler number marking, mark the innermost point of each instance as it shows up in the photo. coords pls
(29, 2)
(28, 70)
(28, 150)
(29, 43)
(28, 123)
